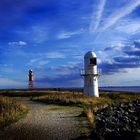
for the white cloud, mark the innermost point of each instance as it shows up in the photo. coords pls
(22, 43)
(120, 13)
(75, 83)
(39, 34)
(5, 82)
(138, 40)
(64, 34)
(8, 69)
(121, 78)
(101, 55)
(39, 61)
(95, 21)
(55, 55)
(128, 26)
(116, 47)
(43, 62)
(65, 70)
(99, 61)
(17, 43)
(43, 58)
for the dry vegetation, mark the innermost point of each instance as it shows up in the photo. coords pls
(22, 93)
(75, 98)
(67, 98)
(10, 111)
(90, 104)
(78, 99)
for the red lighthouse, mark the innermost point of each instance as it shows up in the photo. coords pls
(30, 76)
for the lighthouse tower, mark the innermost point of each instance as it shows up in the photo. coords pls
(30, 79)
(90, 74)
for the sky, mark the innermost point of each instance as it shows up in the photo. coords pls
(51, 37)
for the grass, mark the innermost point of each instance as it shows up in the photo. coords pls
(19, 93)
(66, 98)
(10, 111)
(78, 99)
(29, 93)
(89, 104)
(60, 108)
(121, 97)
(75, 98)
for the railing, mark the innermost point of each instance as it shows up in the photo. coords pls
(83, 73)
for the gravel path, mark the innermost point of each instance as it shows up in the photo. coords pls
(46, 122)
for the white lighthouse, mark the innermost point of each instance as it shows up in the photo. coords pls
(90, 74)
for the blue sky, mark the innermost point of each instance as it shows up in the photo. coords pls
(51, 37)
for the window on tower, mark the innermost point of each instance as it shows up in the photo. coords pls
(93, 61)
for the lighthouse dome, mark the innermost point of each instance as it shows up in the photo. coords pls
(30, 70)
(90, 54)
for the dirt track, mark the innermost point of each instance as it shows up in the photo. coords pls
(46, 122)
